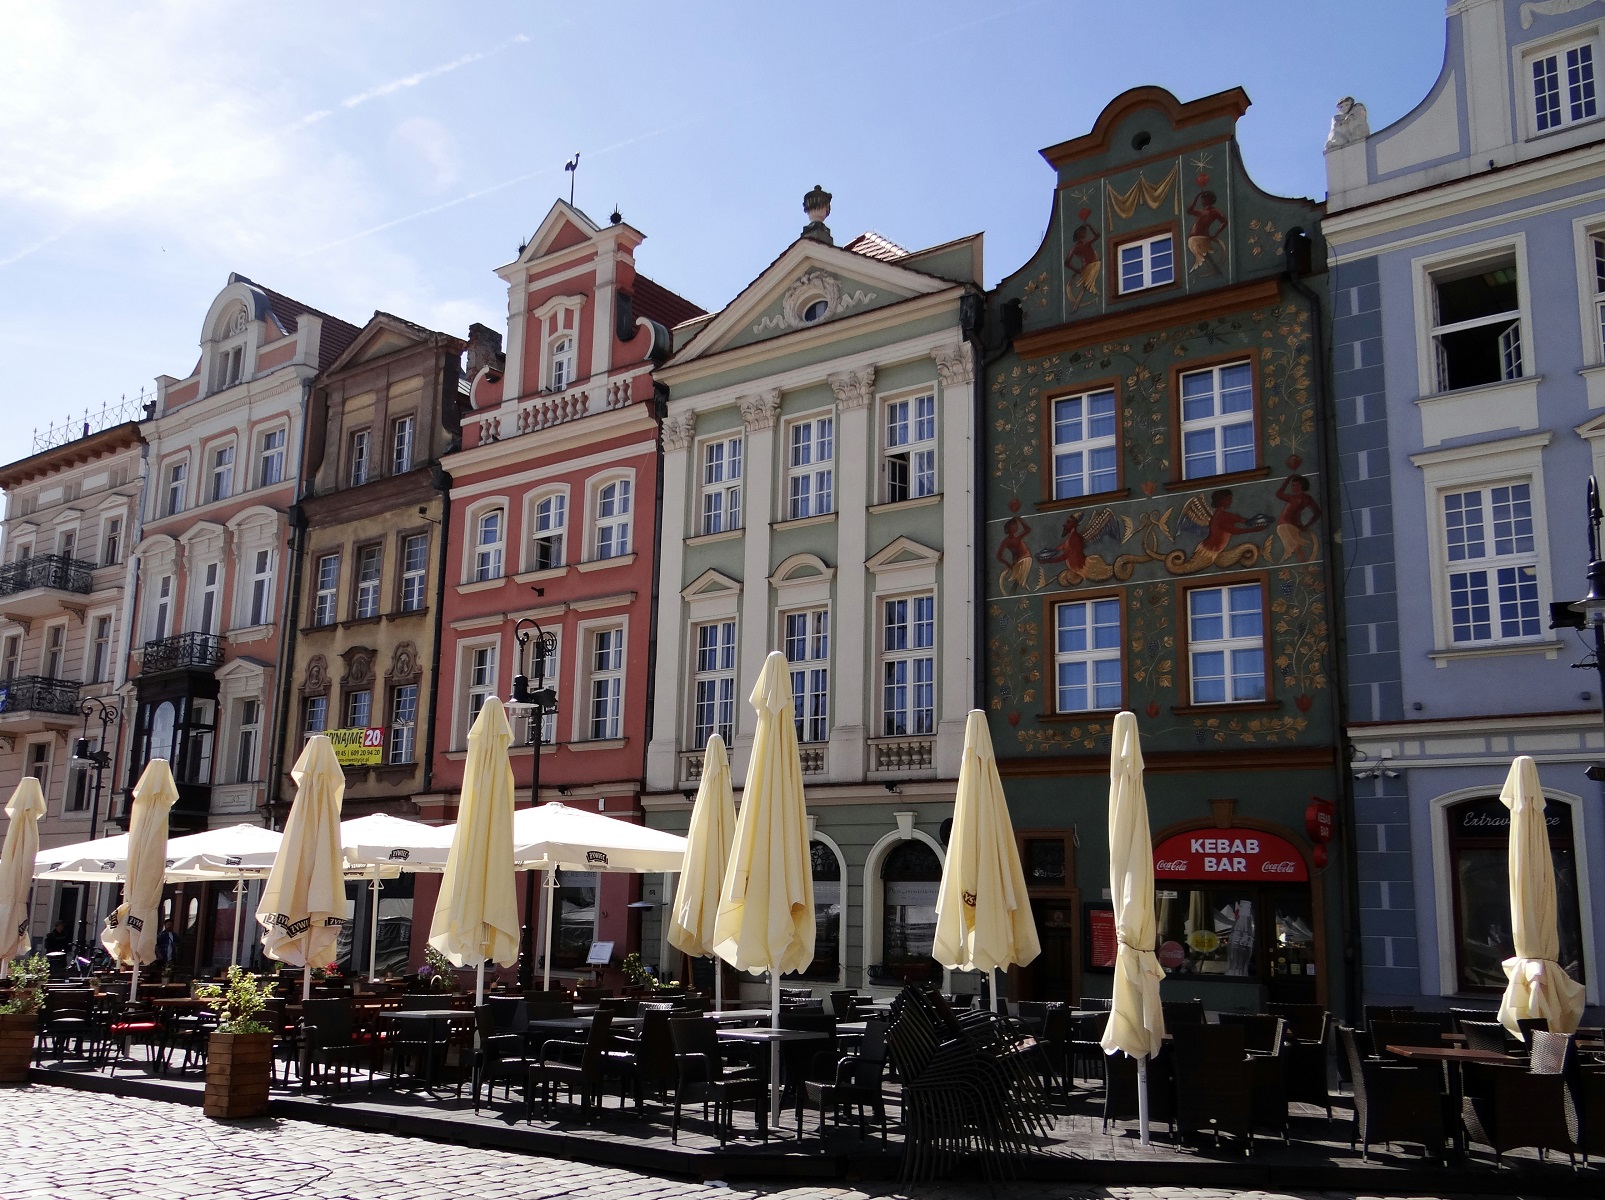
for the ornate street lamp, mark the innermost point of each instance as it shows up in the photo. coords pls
(1589, 612)
(98, 761)
(536, 647)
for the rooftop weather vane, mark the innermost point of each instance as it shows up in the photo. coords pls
(572, 166)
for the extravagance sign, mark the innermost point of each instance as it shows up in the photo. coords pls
(1229, 855)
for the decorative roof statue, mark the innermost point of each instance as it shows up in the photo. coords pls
(817, 205)
(1349, 124)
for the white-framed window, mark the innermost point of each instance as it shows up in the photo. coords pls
(359, 708)
(1217, 421)
(1563, 86)
(479, 680)
(39, 763)
(261, 611)
(111, 541)
(357, 471)
(325, 602)
(314, 715)
(607, 684)
(548, 526)
(221, 486)
(1476, 322)
(53, 662)
(100, 650)
(401, 435)
(365, 602)
(1596, 246)
(211, 589)
(713, 682)
(403, 724)
(807, 646)
(560, 362)
(489, 535)
(247, 739)
(613, 518)
(1149, 262)
(1226, 643)
(76, 798)
(270, 460)
(810, 473)
(162, 612)
(67, 543)
(11, 656)
(173, 489)
(1492, 563)
(1086, 656)
(414, 570)
(908, 666)
(542, 673)
(909, 452)
(230, 366)
(1085, 457)
(721, 484)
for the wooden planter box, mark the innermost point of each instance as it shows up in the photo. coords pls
(239, 1067)
(17, 1032)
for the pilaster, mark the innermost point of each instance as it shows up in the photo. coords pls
(855, 464)
(759, 413)
(955, 630)
(662, 756)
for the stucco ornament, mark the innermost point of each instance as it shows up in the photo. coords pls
(1549, 8)
(955, 365)
(404, 662)
(1349, 124)
(817, 205)
(678, 431)
(853, 389)
(759, 412)
(317, 678)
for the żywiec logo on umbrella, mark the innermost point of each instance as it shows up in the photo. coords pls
(400, 855)
(597, 857)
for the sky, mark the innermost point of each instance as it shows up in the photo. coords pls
(366, 155)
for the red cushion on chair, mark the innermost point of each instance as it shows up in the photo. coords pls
(133, 1027)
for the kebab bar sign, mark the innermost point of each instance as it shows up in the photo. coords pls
(1229, 854)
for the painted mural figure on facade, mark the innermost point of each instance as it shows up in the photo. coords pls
(1219, 524)
(1079, 566)
(1014, 554)
(1083, 265)
(1295, 524)
(1203, 239)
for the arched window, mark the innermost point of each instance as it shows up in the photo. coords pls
(613, 519)
(488, 535)
(911, 875)
(828, 907)
(560, 372)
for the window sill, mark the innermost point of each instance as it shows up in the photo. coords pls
(892, 506)
(401, 614)
(326, 627)
(482, 585)
(1091, 714)
(804, 522)
(599, 744)
(1216, 481)
(707, 539)
(251, 633)
(1193, 710)
(1486, 408)
(524, 749)
(1442, 658)
(541, 575)
(354, 622)
(1109, 497)
(598, 564)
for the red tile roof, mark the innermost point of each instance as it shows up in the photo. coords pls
(337, 334)
(658, 303)
(872, 245)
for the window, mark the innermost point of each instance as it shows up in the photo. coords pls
(100, 650)
(366, 601)
(488, 545)
(911, 877)
(481, 679)
(164, 604)
(721, 485)
(358, 474)
(1085, 460)
(78, 781)
(561, 371)
(111, 541)
(714, 707)
(39, 763)
(1226, 644)
(414, 566)
(1597, 245)
(403, 724)
(1563, 87)
(1086, 659)
(828, 909)
(542, 673)
(11, 656)
(55, 652)
(328, 589)
(808, 652)
(209, 596)
(574, 917)
(613, 519)
(174, 501)
(811, 447)
(315, 715)
(262, 589)
(908, 666)
(67, 544)
(1476, 324)
(222, 485)
(551, 521)
(249, 724)
(1493, 564)
(1147, 263)
(910, 448)
(270, 464)
(401, 430)
(359, 709)
(1217, 421)
(607, 684)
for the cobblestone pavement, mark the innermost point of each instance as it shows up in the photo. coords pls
(68, 1145)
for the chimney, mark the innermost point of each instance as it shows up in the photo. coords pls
(484, 349)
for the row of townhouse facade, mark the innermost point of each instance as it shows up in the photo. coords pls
(1268, 472)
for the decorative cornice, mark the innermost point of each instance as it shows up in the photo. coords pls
(853, 389)
(759, 412)
(678, 431)
(955, 365)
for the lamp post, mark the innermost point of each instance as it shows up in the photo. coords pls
(96, 760)
(1589, 612)
(536, 647)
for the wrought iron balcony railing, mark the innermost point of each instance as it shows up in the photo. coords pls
(46, 571)
(184, 651)
(38, 693)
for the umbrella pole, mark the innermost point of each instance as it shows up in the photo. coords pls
(479, 984)
(239, 903)
(546, 960)
(373, 931)
(996, 981)
(774, 1050)
(133, 988)
(306, 982)
(718, 984)
(1142, 1100)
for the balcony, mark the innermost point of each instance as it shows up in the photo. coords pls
(182, 652)
(43, 584)
(902, 755)
(35, 703)
(811, 757)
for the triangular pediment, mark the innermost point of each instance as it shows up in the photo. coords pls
(903, 552)
(563, 227)
(384, 334)
(710, 583)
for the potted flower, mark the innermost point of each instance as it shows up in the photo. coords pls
(239, 1053)
(19, 1017)
(437, 974)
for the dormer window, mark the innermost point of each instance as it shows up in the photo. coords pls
(231, 348)
(561, 372)
(1563, 87)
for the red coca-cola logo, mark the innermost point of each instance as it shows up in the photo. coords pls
(1176, 864)
(1279, 868)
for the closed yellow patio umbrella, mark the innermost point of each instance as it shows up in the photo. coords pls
(983, 917)
(1136, 1019)
(708, 841)
(1539, 986)
(476, 913)
(303, 903)
(26, 806)
(130, 933)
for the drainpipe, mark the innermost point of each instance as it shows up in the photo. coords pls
(972, 318)
(1296, 253)
(442, 482)
(131, 585)
(292, 621)
(660, 410)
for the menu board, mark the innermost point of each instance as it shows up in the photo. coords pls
(1102, 940)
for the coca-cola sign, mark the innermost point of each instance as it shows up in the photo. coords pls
(1238, 855)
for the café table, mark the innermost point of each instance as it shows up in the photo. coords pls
(774, 1039)
(1453, 1057)
(436, 1024)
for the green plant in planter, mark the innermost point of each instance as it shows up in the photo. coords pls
(28, 978)
(438, 971)
(239, 999)
(636, 972)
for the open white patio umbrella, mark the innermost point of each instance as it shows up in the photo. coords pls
(130, 933)
(303, 904)
(1136, 1018)
(708, 840)
(104, 860)
(765, 920)
(476, 913)
(379, 844)
(26, 806)
(1539, 985)
(983, 917)
(234, 852)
